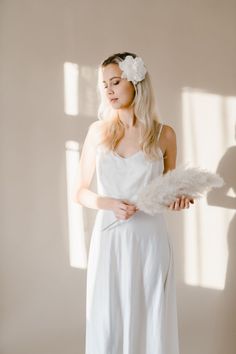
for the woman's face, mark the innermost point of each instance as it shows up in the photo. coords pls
(119, 92)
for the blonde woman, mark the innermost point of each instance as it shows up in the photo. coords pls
(131, 299)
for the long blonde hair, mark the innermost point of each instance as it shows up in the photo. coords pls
(113, 130)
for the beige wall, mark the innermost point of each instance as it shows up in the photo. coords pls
(184, 44)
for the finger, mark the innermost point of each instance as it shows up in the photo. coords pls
(131, 207)
(121, 215)
(187, 200)
(187, 204)
(182, 202)
(128, 213)
(128, 203)
(177, 204)
(124, 207)
(125, 201)
(128, 207)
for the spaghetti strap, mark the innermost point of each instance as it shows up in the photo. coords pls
(159, 133)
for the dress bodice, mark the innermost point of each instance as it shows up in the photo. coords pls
(123, 177)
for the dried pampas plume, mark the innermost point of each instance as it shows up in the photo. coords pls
(192, 182)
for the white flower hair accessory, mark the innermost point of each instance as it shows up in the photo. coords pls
(133, 69)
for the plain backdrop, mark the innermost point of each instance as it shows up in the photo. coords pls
(186, 45)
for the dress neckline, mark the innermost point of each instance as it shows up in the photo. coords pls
(133, 155)
(127, 157)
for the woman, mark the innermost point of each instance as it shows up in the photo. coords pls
(131, 301)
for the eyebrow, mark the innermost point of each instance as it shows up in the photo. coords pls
(114, 77)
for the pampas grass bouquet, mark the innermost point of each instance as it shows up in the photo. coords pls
(191, 182)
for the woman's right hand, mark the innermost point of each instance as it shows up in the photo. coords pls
(123, 209)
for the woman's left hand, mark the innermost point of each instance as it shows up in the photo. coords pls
(181, 203)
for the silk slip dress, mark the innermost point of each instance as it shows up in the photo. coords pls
(131, 297)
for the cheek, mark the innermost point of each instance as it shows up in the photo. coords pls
(130, 95)
(127, 93)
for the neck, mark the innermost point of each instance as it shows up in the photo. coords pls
(127, 117)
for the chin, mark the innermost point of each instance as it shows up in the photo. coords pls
(116, 105)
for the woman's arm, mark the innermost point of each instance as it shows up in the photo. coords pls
(169, 137)
(86, 168)
(169, 140)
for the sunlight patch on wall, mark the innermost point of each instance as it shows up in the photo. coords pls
(71, 88)
(88, 95)
(208, 130)
(80, 90)
(77, 242)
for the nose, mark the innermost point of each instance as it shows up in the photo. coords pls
(109, 87)
(109, 90)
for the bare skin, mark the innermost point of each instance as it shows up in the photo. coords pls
(123, 91)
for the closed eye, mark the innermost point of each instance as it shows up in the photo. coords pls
(114, 83)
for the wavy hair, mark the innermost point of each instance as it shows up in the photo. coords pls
(113, 130)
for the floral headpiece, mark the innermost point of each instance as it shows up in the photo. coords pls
(133, 69)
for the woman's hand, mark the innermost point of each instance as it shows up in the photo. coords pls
(181, 203)
(123, 209)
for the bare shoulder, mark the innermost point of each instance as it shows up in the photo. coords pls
(169, 145)
(167, 137)
(95, 127)
(97, 124)
(168, 132)
(94, 131)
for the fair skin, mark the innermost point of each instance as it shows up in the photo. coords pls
(123, 92)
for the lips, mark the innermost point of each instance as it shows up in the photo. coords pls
(114, 99)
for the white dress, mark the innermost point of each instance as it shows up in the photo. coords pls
(131, 296)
